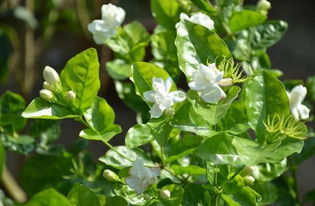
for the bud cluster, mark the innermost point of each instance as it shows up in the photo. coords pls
(52, 86)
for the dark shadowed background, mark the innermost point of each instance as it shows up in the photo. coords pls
(294, 55)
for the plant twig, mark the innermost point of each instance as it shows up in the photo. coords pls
(12, 187)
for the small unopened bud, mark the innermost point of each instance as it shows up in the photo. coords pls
(169, 112)
(249, 180)
(46, 94)
(46, 86)
(246, 171)
(165, 194)
(263, 5)
(226, 82)
(51, 76)
(111, 176)
(71, 96)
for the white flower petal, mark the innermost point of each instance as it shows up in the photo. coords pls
(168, 84)
(158, 85)
(203, 20)
(212, 94)
(113, 15)
(295, 113)
(149, 95)
(155, 111)
(303, 111)
(297, 95)
(178, 96)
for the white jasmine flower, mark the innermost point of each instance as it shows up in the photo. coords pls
(296, 97)
(199, 18)
(141, 177)
(51, 76)
(249, 180)
(263, 5)
(207, 81)
(162, 97)
(102, 29)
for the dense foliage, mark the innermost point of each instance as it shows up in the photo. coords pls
(233, 134)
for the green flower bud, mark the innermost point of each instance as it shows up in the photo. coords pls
(111, 176)
(51, 76)
(249, 180)
(46, 94)
(46, 86)
(71, 96)
(165, 194)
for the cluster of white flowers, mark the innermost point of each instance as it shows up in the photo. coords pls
(162, 97)
(52, 85)
(141, 177)
(102, 29)
(296, 97)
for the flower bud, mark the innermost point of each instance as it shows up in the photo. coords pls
(46, 86)
(226, 82)
(51, 76)
(71, 96)
(263, 5)
(246, 171)
(249, 180)
(165, 194)
(111, 176)
(46, 94)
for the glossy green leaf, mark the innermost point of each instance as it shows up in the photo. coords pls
(213, 113)
(162, 130)
(193, 195)
(138, 135)
(42, 109)
(182, 147)
(11, 107)
(196, 44)
(244, 19)
(265, 96)
(166, 12)
(80, 195)
(22, 144)
(81, 75)
(100, 117)
(116, 200)
(189, 170)
(113, 159)
(142, 74)
(269, 192)
(48, 197)
(118, 69)
(129, 42)
(205, 5)
(267, 34)
(128, 194)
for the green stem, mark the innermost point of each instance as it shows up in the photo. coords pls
(295, 182)
(118, 152)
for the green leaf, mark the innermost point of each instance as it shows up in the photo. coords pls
(118, 69)
(166, 12)
(268, 192)
(128, 194)
(81, 75)
(80, 195)
(142, 74)
(205, 6)
(113, 159)
(22, 144)
(189, 170)
(265, 96)
(162, 130)
(100, 117)
(42, 171)
(129, 42)
(182, 147)
(193, 195)
(48, 197)
(244, 19)
(196, 44)
(11, 107)
(213, 113)
(267, 34)
(42, 109)
(116, 200)
(138, 135)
